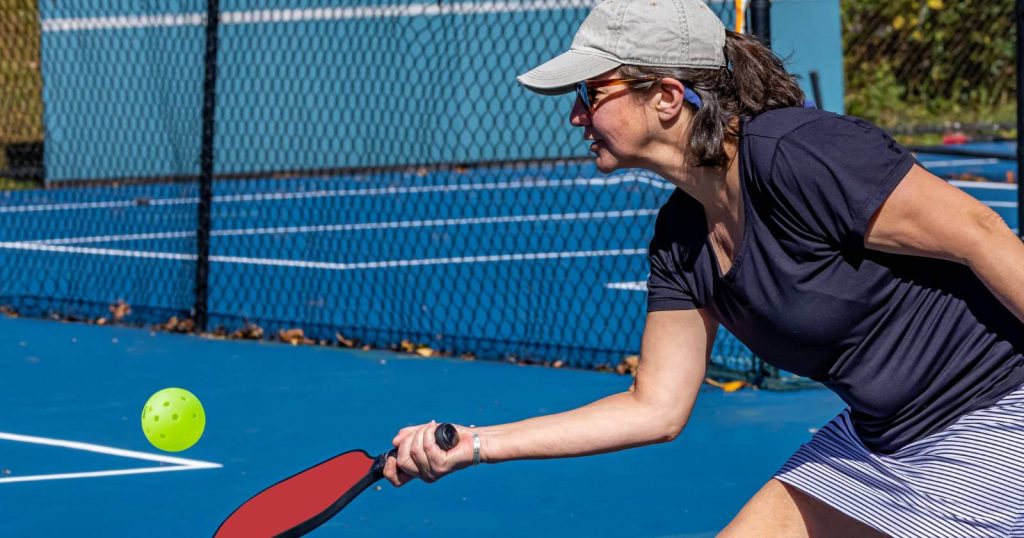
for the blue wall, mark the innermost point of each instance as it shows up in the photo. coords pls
(809, 34)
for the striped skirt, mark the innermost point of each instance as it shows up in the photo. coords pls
(964, 481)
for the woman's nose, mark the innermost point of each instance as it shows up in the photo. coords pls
(579, 116)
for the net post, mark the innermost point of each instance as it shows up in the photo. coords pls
(760, 20)
(206, 168)
(1019, 14)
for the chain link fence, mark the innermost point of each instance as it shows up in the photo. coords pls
(367, 176)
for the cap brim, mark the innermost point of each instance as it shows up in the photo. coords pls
(560, 74)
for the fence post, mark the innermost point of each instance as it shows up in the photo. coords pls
(206, 168)
(761, 20)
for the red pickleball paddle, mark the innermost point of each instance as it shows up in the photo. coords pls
(304, 501)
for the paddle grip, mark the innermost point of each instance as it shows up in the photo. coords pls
(445, 436)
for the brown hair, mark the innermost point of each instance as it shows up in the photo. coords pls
(755, 81)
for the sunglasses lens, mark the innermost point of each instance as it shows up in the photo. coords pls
(584, 93)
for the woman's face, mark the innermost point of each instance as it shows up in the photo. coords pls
(617, 125)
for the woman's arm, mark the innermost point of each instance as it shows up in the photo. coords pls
(926, 216)
(674, 353)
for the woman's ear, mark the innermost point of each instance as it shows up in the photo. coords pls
(670, 101)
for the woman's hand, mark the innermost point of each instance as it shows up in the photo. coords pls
(420, 457)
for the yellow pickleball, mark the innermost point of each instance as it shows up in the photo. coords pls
(173, 419)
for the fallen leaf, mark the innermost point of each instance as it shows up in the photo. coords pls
(293, 336)
(734, 386)
(250, 331)
(629, 365)
(119, 310)
(345, 342)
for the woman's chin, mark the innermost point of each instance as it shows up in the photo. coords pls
(604, 162)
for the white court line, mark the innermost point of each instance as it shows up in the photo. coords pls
(528, 183)
(984, 185)
(627, 286)
(432, 261)
(330, 266)
(96, 205)
(178, 464)
(248, 232)
(949, 163)
(298, 15)
(36, 247)
(111, 238)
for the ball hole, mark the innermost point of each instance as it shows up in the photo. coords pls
(183, 398)
(162, 436)
(166, 404)
(174, 416)
(156, 418)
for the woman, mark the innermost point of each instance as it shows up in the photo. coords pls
(823, 246)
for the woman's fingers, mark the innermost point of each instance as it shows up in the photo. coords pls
(393, 474)
(419, 456)
(402, 434)
(418, 452)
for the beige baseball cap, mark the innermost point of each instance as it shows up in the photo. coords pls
(654, 33)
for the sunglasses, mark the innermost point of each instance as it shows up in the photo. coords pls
(587, 90)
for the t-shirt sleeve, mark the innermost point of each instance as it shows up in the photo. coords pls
(670, 285)
(832, 175)
(666, 289)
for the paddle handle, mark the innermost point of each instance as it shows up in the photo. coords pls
(445, 436)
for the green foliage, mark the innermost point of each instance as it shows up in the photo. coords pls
(21, 86)
(8, 184)
(917, 66)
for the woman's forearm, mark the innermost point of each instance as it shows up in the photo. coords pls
(613, 423)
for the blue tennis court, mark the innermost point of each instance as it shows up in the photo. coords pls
(75, 462)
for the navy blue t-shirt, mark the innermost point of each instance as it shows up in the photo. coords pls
(909, 343)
